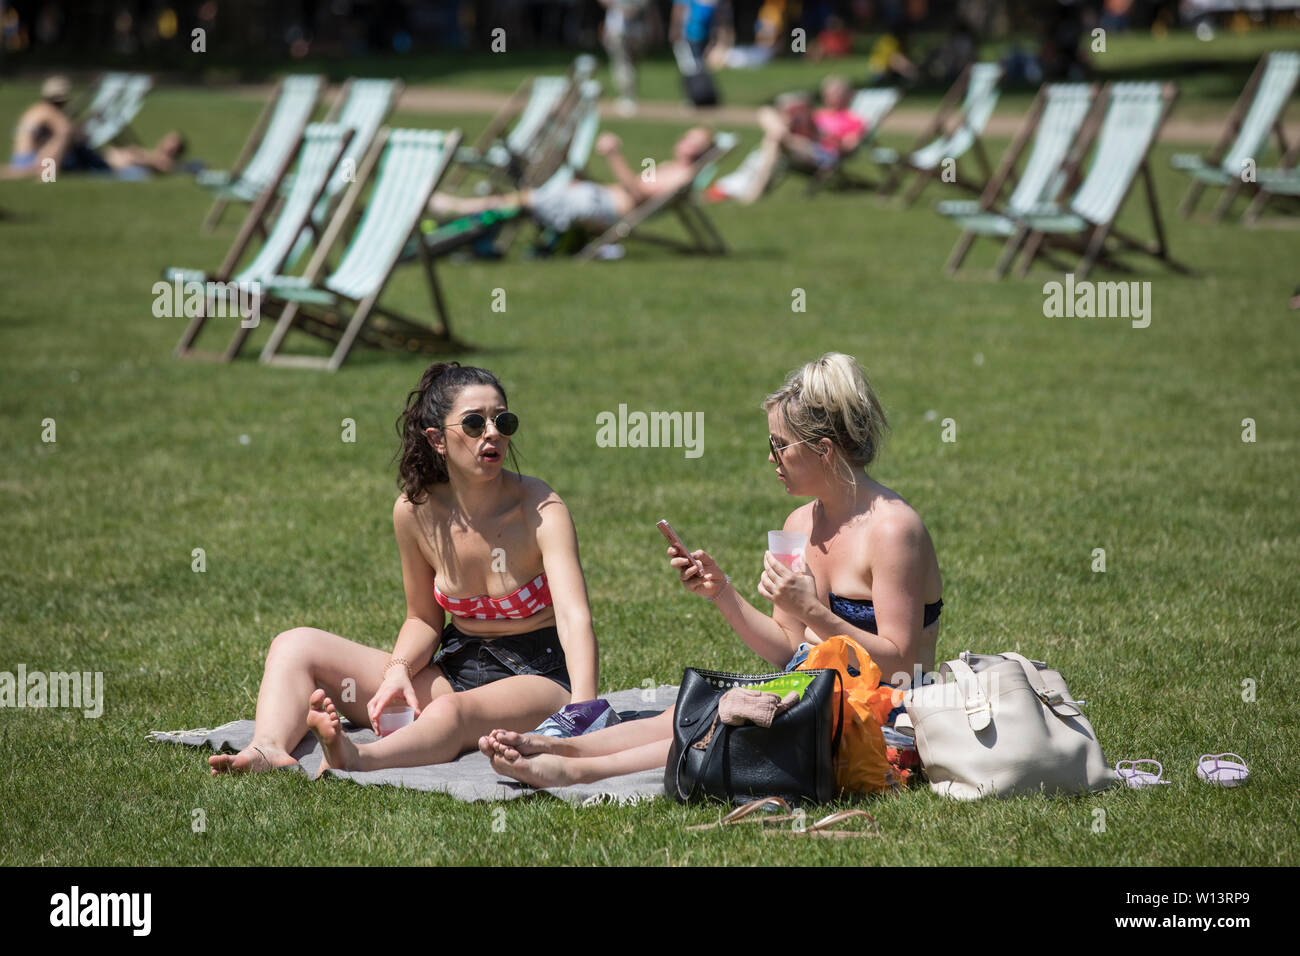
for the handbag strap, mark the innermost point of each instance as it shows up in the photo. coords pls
(1060, 705)
(705, 727)
(979, 713)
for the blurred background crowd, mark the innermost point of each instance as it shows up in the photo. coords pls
(729, 33)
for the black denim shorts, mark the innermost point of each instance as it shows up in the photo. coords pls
(468, 661)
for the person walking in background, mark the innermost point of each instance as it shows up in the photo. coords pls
(626, 33)
(694, 25)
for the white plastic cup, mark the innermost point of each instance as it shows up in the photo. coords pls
(788, 547)
(394, 717)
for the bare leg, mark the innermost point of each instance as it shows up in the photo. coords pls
(449, 726)
(549, 770)
(300, 661)
(758, 183)
(611, 740)
(447, 206)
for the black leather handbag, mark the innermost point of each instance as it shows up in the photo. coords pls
(793, 759)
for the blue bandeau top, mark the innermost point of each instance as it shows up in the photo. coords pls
(863, 613)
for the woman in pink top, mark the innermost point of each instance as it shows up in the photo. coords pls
(813, 139)
(494, 549)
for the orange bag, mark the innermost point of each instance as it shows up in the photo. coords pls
(861, 765)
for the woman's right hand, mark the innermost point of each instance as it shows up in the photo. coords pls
(700, 573)
(396, 687)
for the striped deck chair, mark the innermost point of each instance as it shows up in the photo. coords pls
(322, 146)
(362, 106)
(97, 102)
(1257, 112)
(272, 139)
(574, 136)
(506, 158)
(1062, 115)
(1135, 112)
(113, 121)
(977, 88)
(535, 106)
(704, 237)
(343, 307)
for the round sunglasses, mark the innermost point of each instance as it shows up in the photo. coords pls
(507, 423)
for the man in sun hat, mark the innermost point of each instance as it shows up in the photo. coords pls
(44, 132)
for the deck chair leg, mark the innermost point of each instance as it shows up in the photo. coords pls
(435, 289)
(1256, 207)
(918, 186)
(281, 329)
(349, 336)
(1162, 244)
(958, 254)
(214, 215)
(697, 241)
(1225, 201)
(1095, 246)
(1009, 250)
(191, 333)
(1191, 199)
(715, 245)
(1031, 251)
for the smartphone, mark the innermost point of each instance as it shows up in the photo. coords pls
(676, 542)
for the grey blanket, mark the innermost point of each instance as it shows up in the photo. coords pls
(468, 778)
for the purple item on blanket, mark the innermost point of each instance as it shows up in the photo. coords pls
(574, 720)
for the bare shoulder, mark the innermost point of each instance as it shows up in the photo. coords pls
(542, 505)
(801, 519)
(406, 516)
(535, 492)
(895, 523)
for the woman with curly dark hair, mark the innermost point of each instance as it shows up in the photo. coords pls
(491, 547)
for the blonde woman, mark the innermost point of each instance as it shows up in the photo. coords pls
(870, 572)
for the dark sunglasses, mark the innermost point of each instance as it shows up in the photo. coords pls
(507, 423)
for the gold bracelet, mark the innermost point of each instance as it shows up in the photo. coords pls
(406, 665)
(726, 583)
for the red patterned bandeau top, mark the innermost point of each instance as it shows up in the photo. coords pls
(528, 600)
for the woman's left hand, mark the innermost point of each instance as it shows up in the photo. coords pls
(794, 592)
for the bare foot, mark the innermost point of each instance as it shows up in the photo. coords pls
(512, 745)
(540, 770)
(323, 721)
(252, 759)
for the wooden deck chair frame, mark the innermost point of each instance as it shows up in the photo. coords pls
(704, 236)
(255, 222)
(396, 332)
(1092, 248)
(510, 112)
(1004, 178)
(951, 107)
(1227, 139)
(250, 147)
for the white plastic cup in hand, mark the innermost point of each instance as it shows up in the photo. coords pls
(394, 717)
(788, 548)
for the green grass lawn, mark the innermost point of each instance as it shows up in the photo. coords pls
(1071, 435)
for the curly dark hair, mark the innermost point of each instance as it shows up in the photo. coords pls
(427, 406)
